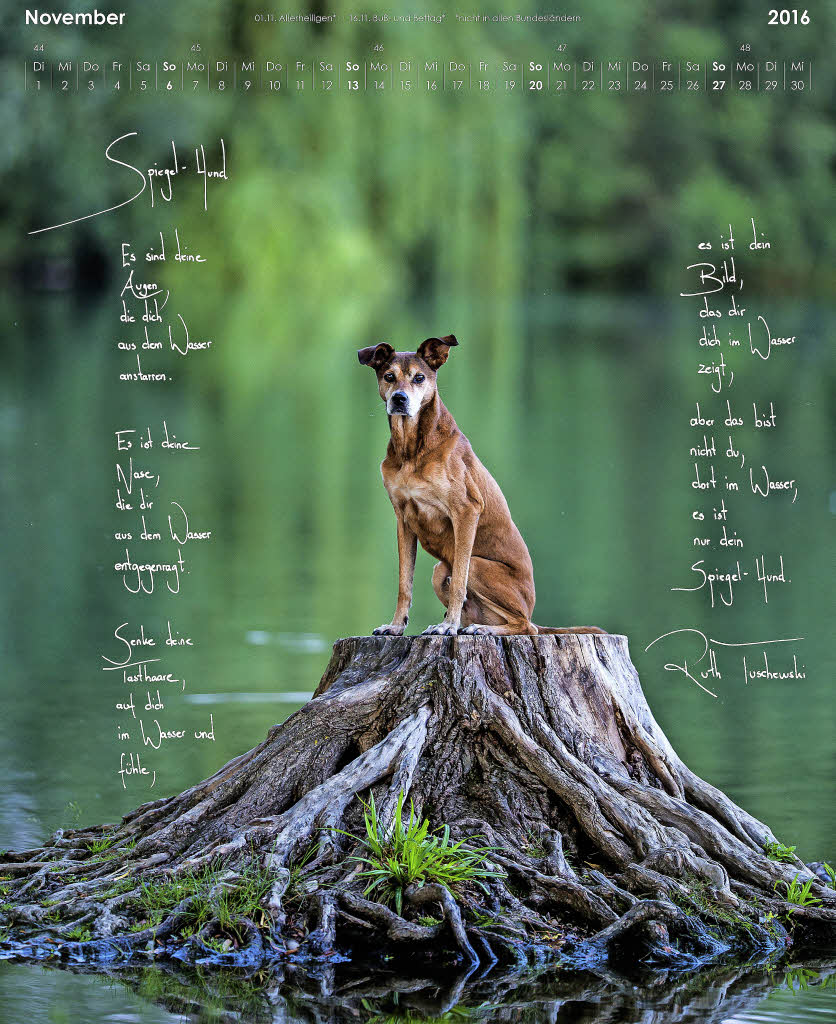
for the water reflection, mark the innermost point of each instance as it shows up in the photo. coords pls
(315, 994)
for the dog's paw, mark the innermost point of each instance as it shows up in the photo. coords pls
(388, 630)
(441, 629)
(475, 630)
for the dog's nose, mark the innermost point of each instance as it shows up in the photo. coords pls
(399, 398)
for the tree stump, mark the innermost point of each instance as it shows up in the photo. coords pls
(539, 750)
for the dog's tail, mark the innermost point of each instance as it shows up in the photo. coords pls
(550, 630)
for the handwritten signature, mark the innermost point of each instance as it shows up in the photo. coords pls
(708, 645)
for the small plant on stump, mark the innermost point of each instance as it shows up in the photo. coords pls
(779, 852)
(407, 853)
(798, 894)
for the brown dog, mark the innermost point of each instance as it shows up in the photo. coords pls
(445, 498)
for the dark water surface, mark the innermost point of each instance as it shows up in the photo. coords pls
(732, 996)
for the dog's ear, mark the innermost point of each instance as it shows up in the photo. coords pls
(434, 351)
(376, 355)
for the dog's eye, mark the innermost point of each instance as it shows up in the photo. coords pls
(419, 378)
(389, 376)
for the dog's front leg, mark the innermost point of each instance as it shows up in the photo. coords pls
(465, 522)
(407, 543)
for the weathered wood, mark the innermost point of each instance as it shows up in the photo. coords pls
(543, 745)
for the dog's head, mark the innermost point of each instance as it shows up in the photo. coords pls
(406, 380)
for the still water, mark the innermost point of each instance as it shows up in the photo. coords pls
(579, 407)
(802, 995)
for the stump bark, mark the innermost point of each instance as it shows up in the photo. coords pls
(602, 842)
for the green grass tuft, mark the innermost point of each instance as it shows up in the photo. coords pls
(407, 852)
(100, 845)
(798, 894)
(295, 889)
(702, 901)
(777, 851)
(236, 897)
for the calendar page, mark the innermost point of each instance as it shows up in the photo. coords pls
(417, 429)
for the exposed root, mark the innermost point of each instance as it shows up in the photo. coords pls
(439, 894)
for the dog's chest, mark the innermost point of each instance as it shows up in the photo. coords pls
(422, 501)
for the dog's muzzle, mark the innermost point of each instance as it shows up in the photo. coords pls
(398, 404)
